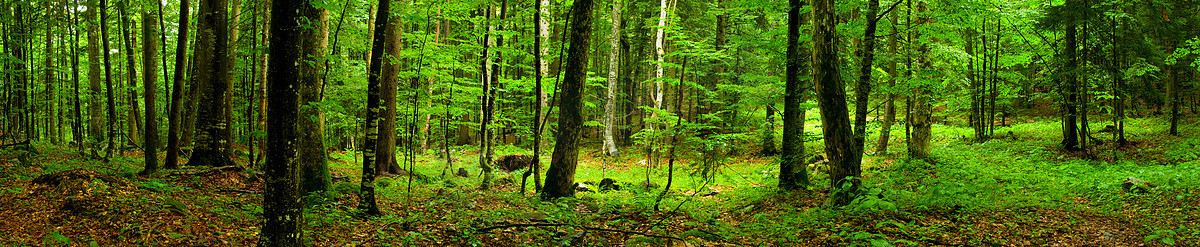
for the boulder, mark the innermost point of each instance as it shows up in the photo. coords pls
(581, 187)
(513, 162)
(607, 184)
(1135, 185)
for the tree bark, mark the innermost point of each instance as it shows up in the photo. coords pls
(212, 127)
(1070, 88)
(367, 188)
(862, 92)
(921, 102)
(131, 73)
(659, 52)
(885, 132)
(96, 119)
(311, 156)
(282, 208)
(172, 159)
(792, 173)
(112, 108)
(560, 179)
(610, 113)
(844, 155)
(150, 83)
(385, 153)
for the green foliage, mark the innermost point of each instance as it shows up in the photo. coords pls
(55, 238)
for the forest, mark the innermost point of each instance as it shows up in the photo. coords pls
(599, 123)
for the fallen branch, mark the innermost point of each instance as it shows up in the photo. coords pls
(239, 191)
(487, 229)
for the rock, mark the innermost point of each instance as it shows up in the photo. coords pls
(607, 184)
(1135, 185)
(462, 173)
(513, 162)
(581, 187)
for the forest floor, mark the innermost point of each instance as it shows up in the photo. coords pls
(1019, 189)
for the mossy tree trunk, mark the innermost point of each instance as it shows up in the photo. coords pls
(560, 178)
(212, 127)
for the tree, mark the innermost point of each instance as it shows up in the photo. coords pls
(885, 131)
(96, 119)
(610, 113)
(174, 118)
(1070, 86)
(921, 101)
(311, 157)
(844, 155)
(281, 198)
(560, 179)
(386, 151)
(367, 189)
(112, 107)
(150, 83)
(792, 174)
(212, 126)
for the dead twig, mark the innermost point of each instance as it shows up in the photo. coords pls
(487, 229)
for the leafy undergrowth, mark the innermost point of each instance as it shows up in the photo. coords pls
(1019, 189)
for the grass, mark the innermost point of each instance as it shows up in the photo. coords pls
(1019, 189)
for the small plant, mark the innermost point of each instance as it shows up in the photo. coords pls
(1162, 236)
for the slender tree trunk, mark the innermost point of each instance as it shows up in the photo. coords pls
(792, 175)
(385, 153)
(150, 83)
(889, 118)
(311, 157)
(862, 92)
(131, 74)
(172, 159)
(212, 126)
(1175, 99)
(367, 189)
(112, 105)
(282, 208)
(235, 14)
(485, 106)
(560, 179)
(1070, 88)
(77, 131)
(921, 102)
(610, 113)
(48, 73)
(660, 37)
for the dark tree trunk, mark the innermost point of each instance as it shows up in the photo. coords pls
(792, 174)
(150, 83)
(1070, 88)
(862, 92)
(112, 105)
(172, 159)
(282, 209)
(367, 190)
(560, 179)
(212, 127)
(844, 155)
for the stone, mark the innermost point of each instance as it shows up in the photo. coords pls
(513, 162)
(1135, 185)
(607, 184)
(581, 187)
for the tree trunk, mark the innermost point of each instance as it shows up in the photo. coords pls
(844, 155)
(150, 83)
(282, 208)
(112, 105)
(485, 104)
(885, 132)
(212, 127)
(610, 113)
(235, 15)
(660, 37)
(131, 74)
(1070, 88)
(172, 159)
(96, 119)
(311, 156)
(792, 173)
(77, 125)
(385, 153)
(1175, 100)
(921, 107)
(560, 179)
(862, 91)
(367, 189)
